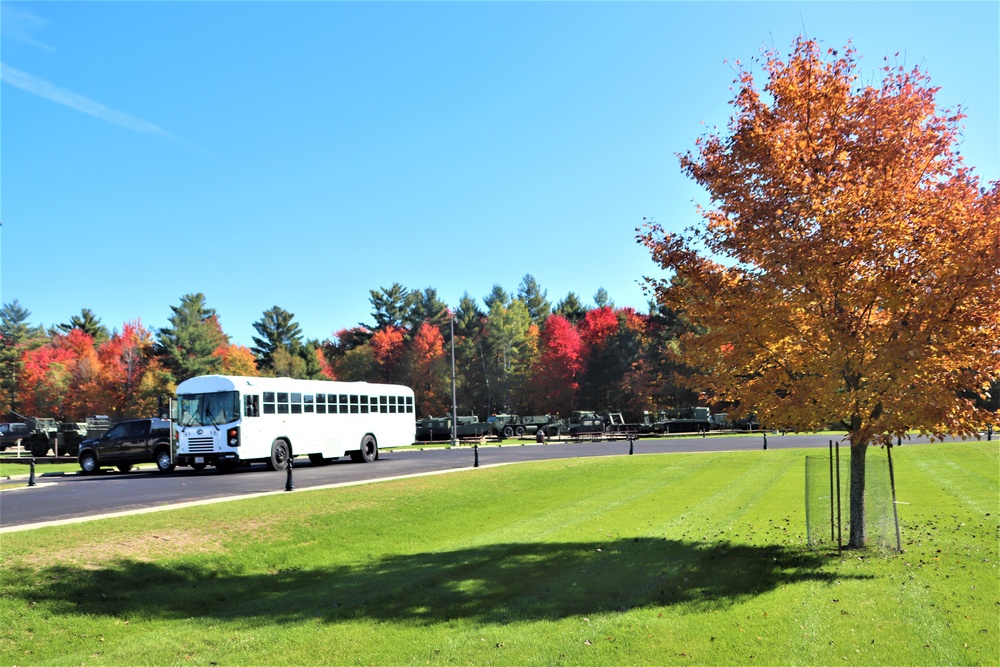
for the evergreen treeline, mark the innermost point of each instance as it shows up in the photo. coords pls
(516, 353)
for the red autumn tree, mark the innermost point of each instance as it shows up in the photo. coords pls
(428, 371)
(46, 378)
(324, 366)
(598, 325)
(132, 380)
(852, 262)
(555, 377)
(387, 347)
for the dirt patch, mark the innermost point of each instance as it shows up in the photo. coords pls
(151, 545)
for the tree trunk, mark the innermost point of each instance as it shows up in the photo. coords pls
(859, 519)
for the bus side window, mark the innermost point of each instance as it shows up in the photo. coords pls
(251, 406)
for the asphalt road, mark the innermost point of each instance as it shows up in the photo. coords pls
(73, 496)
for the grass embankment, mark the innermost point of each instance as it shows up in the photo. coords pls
(657, 559)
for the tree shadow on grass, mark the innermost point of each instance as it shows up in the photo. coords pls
(495, 583)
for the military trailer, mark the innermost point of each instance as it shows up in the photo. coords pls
(515, 426)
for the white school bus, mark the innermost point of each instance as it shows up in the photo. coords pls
(227, 420)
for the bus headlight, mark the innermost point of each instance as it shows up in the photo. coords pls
(233, 437)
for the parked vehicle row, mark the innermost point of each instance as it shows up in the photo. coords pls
(40, 435)
(579, 423)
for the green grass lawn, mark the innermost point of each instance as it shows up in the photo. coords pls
(654, 559)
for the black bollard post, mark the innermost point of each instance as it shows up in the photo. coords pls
(630, 447)
(765, 441)
(31, 475)
(289, 486)
(476, 460)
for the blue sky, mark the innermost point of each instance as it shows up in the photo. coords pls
(302, 154)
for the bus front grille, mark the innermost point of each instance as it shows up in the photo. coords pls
(200, 445)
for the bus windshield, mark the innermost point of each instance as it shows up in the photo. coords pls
(209, 409)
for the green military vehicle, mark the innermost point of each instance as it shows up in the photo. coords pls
(582, 423)
(439, 428)
(39, 435)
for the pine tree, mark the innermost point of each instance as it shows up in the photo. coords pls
(571, 308)
(534, 297)
(16, 336)
(427, 307)
(88, 323)
(498, 296)
(392, 307)
(277, 329)
(188, 346)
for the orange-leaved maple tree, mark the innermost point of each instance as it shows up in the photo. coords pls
(848, 271)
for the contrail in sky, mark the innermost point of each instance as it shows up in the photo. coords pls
(49, 91)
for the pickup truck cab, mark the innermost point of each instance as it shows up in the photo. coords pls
(128, 443)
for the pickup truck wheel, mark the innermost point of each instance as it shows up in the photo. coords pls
(88, 463)
(39, 447)
(124, 467)
(163, 462)
(279, 455)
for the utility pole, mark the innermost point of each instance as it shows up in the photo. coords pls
(454, 404)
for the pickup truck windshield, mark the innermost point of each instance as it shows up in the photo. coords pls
(209, 409)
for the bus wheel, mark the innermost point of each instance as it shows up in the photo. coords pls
(368, 451)
(279, 455)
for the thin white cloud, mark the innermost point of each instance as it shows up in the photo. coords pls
(18, 24)
(53, 93)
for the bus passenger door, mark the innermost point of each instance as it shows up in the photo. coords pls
(251, 431)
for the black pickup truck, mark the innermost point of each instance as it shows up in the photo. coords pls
(128, 443)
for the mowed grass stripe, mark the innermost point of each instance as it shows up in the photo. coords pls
(964, 470)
